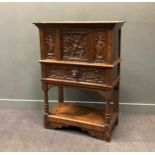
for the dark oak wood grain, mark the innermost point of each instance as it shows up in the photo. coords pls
(86, 55)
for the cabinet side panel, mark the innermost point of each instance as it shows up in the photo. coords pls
(109, 46)
(108, 76)
(42, 44)
(116, 44)
(115, 72)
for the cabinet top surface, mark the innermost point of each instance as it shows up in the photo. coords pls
(80, 22)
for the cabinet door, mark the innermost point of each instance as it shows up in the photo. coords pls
(70, 44)
(74, 45)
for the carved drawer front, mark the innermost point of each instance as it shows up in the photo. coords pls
(81, 74)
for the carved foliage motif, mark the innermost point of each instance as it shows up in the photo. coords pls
(100, 45)
(76, 74)
(73, 45)
(50, 43)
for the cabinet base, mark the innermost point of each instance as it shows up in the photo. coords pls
(89, 119)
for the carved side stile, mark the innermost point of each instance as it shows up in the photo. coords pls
(50, 43)
(100, 38)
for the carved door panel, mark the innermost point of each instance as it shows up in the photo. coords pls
(74, 45)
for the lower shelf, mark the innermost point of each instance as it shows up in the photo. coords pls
(87, 118)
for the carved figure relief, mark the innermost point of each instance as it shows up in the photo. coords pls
(78, 74)
(50, 42)
(73, 45)
(100, 45)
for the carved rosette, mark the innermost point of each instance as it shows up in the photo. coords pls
(76, 74)
(50, 44)
(73, 45)
(100, 45)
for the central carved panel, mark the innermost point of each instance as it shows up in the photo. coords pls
(76, 73)
(74, 45)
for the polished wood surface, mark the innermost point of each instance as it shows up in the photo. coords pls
(79, 113)
(90, 119)
(48, 61)
(84, 54)
(81, 22)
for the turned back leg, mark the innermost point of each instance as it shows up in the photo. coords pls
(60, 94)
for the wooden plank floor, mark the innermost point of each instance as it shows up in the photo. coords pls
(22, 130)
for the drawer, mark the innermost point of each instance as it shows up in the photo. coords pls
(75, 73)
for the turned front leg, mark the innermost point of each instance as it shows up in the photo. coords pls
(107, 111)
(107, 119)
(116, 98)
(107, 94)
(46, 109)
(46, 106)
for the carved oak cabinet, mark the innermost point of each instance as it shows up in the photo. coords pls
(85, 55)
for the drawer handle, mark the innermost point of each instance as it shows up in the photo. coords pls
(75, 73)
